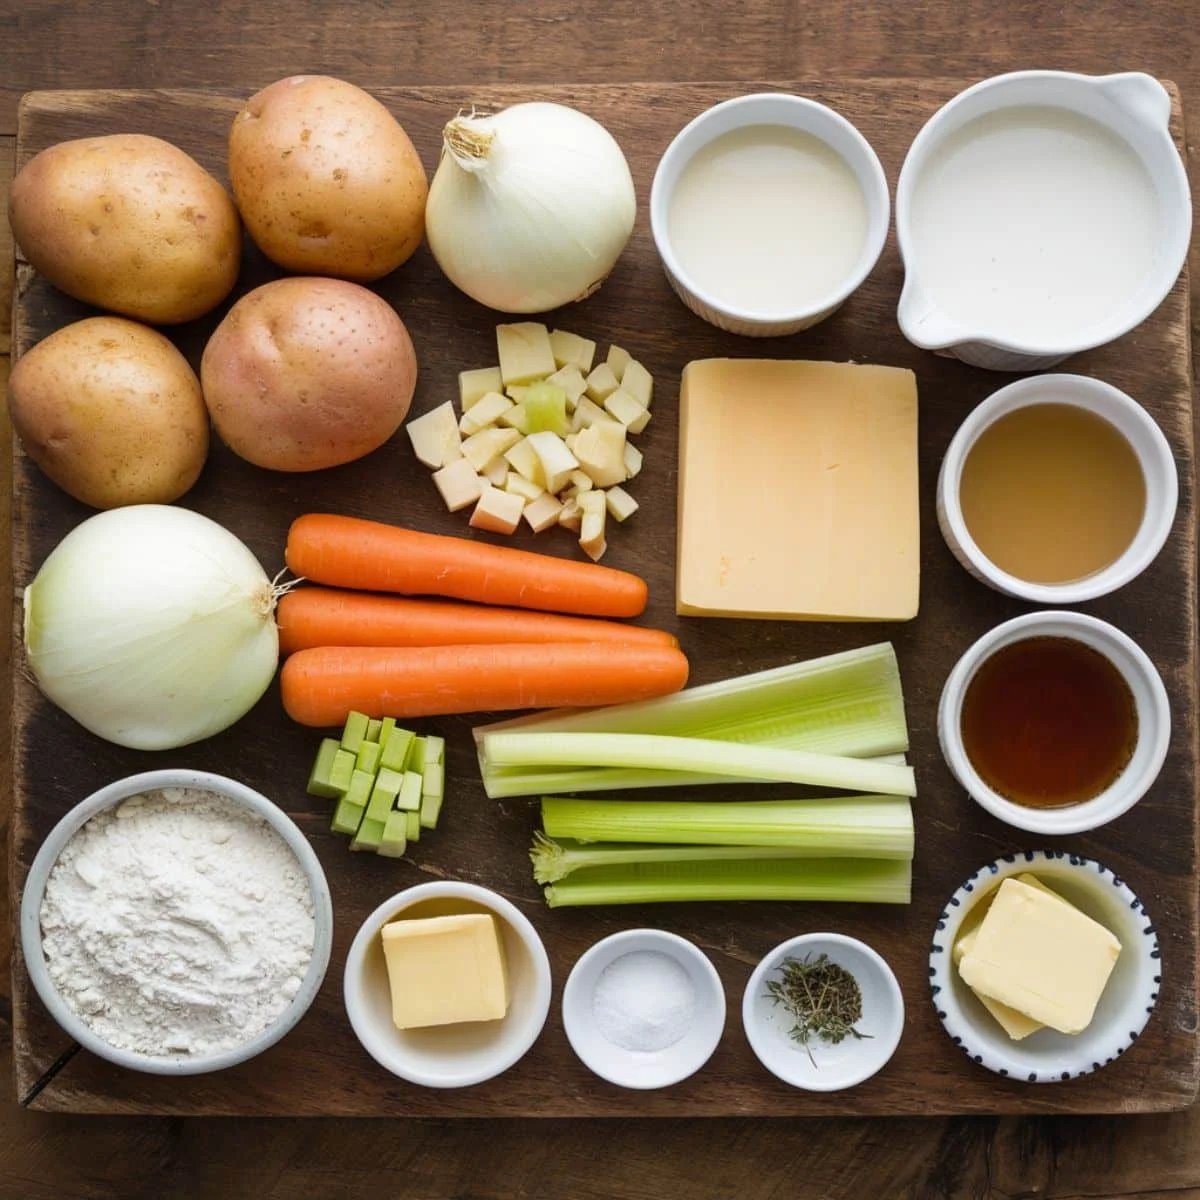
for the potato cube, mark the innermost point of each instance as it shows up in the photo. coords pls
(638, 382)
(524, 460)
(520, 486)
(486, 411)
(600, 450)
(496, 472)
(525, 352)
(516, 392)
(434, 436)
(586, 413)
(579, 481)
(458, 484)
(515, 418)
(601, 382)
(557, 461)
(474, 385)
(542, 512)
(620, 504)
(625, 409)
(572, 350)
(497, 511)
(617, 360)
(591, 531)
(633, 460)
(571, 515)
(480, 448)
(571, 380)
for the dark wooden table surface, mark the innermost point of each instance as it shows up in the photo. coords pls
(147, 43)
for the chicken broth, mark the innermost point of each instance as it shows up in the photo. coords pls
(1052, 493)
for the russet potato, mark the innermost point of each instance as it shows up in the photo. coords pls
(326, 179)
(129, 223)
(111, 412)
(308, 372)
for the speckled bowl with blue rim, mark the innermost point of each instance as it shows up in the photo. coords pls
(1124, 1008)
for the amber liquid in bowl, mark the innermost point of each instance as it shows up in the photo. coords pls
(1052, 493)
(1048, 722)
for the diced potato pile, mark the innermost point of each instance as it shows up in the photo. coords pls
(544, 436)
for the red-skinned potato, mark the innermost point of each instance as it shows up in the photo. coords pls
(326, 179)
(129, 223)
(110, 411)
(307, 372)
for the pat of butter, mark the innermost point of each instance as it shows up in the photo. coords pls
(1038, 954)
(798, 491)
(445, 970)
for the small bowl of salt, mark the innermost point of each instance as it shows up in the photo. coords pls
(644, 1008)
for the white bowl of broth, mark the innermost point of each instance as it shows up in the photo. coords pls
(1055, 722)
(768, 211)
(1057, 489)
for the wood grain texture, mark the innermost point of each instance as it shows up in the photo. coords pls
(319, 1068)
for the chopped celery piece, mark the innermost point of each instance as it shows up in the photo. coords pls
(873, 881)
(384, 793)
(847, 704)
(320, 778)
(385, 730)
(369, 835)
(713, 757)
(373, 728)
(412, 825)
(409, 797)
(433, 779)
(394, 841)
(368, 756)
(837, 827)
(431, 807)
(355, 731)
(359, 791)
(347, 816)
(555, 860)
(546, 408)
(434, 750)
(396, 749)
(416, 755)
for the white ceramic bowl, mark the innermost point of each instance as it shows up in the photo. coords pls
(1132, 105)
(1125, 1005)
(769, 108)
(831, 1068)
(643, 1069)
(107, 797)
(1131, 421)
(1149, 695)
(448, 1056)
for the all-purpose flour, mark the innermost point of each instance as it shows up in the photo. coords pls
(177, 923)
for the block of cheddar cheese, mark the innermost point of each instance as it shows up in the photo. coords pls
(798, 491)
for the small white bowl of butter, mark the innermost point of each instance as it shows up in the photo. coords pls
(473, 1000)
(1096, 965)
(768, 211)
(1040, 213)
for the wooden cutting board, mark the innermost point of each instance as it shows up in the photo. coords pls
(320, 1068)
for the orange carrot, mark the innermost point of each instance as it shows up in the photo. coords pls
(317, 616)
(346, 552)
(322, 685)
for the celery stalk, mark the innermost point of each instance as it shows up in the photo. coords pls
(874, 881)
(555, 860)
(846, 704)
(712, 757)
(836, 827)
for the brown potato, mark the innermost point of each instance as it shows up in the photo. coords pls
(326, 179)
(112, 412)
(129, 223)
(306, 373)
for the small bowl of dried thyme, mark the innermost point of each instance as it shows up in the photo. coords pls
(823, 1012)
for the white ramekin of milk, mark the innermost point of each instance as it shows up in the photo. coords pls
(1039, 214)
(768, 211)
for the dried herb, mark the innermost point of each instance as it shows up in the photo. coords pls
(823, 999)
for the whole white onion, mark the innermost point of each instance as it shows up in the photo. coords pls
(152, 626)
(530, 208)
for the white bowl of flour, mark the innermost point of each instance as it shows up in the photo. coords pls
(176, 922)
